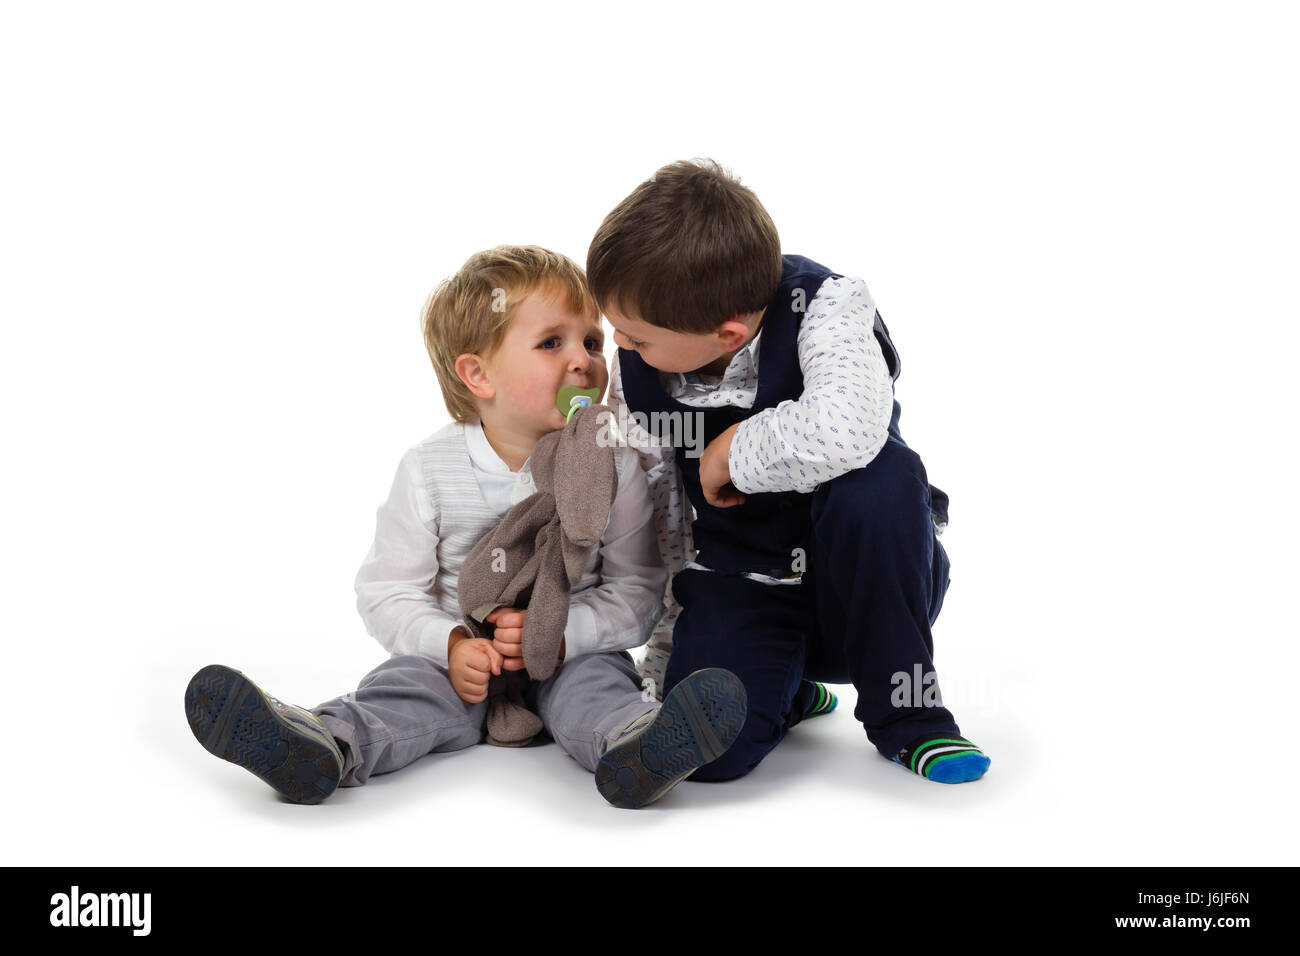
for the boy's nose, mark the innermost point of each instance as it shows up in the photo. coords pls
(580, 359)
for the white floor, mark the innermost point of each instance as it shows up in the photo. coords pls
(112, 776)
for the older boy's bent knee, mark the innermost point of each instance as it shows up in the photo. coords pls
(735, 763)
(758, 738)
(890, 490)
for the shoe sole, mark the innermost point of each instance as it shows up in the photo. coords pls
(233, 719)
(697, 723)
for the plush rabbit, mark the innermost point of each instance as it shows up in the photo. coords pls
(535, 556)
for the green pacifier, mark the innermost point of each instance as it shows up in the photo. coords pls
(571, 398)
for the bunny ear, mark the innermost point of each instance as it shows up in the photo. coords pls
(509, 721)
(488, 583)
(548, 612)
(584, 480)
(542, 461)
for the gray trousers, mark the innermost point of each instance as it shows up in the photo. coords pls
(406, 708)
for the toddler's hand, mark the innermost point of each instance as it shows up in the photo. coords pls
(472, 662)
(508, 638)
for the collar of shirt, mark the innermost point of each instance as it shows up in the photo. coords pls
(740, 372)
(501, 487)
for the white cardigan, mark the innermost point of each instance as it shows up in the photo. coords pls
(453, 488)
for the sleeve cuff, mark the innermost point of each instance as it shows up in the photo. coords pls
(579, 632)
(745, 483)
(433, 642)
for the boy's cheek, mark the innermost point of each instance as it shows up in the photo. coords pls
(539, 396)
(672, 361)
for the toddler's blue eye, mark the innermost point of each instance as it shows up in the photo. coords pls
(548, 341)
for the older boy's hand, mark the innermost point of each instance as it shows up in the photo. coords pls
(471, 663)
(508, 638)
(715, 472)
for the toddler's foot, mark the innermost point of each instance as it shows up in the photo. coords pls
(286, 746)
(944, 758)
(696, 724)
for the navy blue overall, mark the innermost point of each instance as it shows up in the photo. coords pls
(874, 572)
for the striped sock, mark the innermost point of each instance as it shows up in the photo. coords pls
(944, 758)
(820, 701)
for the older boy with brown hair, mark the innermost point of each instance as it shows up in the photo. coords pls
(505, 333)
(804, 539)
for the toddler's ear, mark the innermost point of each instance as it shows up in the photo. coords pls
(473, 374)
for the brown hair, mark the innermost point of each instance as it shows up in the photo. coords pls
(688, 249)
(471, 311)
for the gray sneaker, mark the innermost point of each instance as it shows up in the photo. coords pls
(698, 720)
(286, 746)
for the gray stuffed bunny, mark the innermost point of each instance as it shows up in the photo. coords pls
(535, 556)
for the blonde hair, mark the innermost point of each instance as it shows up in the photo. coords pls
(471, 311)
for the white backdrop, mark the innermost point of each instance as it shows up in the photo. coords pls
(218, 224)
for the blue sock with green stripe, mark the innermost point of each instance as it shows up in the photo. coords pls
(817, 699)
(944, 758)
